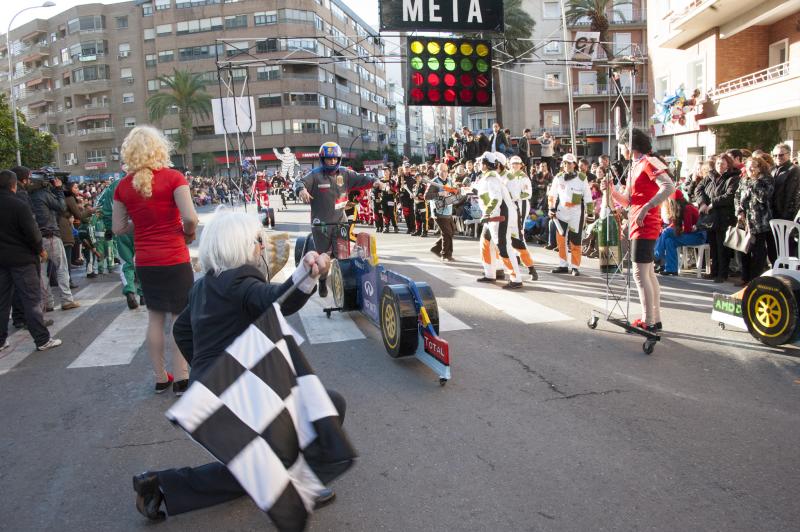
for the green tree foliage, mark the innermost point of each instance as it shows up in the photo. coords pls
(188, 97)
(596, 11)
(751, 135)
(36, 148)
(509, 50)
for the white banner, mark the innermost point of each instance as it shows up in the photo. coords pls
(586, 45)
(233, 118)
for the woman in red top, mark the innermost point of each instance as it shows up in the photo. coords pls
(682, 231)
(648, 185)
(154, 202)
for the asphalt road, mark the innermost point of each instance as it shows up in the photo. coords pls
(545, 425)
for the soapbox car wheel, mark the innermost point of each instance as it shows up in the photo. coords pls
(302, 245)
(769, 309)
(399, 320)
(344, 284)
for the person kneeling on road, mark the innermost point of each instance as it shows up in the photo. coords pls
(222, 305)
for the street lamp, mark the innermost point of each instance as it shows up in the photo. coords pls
(11, 76)
(583, 107)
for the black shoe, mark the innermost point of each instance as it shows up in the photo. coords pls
(574, 272)
(323, 288)
(386, 230)
(149, 496)
(324, 499)
(416, 233)
(73, 285)
(141, 301)
(409, 232)
(665, 273)
(91, 275)
(423, 235)
(657, 326)
(448, 259)
(19, 325)
(560, 269)
(512, 286)
(550, 246)
(161, 387)
(485, 280)
(396, 230)
(708, 276)
(48, 309)
(179, 387)
(533, 273)
(131, 298)
(719, 279)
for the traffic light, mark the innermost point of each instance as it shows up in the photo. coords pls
(449, 72)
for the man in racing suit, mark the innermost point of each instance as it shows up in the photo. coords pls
(499, 217)
(261, 194)
(405, 181)
(388, 201)
(420, 207)
(520, 189)
(326, 188)
(569, 192)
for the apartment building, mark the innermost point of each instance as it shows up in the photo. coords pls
(398, 129)
(86, 73)
(743, 58)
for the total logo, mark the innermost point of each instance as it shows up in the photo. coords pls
(369, 290)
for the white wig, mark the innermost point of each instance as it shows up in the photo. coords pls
(228, 241)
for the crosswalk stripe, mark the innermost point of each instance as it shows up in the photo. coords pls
(320, 329)
(118, 343)
(448, 322)
(22, 344)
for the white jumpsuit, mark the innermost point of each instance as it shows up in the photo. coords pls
(571, 196)
(496, 202)
(520, 189)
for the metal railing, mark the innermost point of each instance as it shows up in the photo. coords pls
(755, 79)
(96, 105)
(603, 90)
(84, 132)
(618, 17)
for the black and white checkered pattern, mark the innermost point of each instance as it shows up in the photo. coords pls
(262, 412)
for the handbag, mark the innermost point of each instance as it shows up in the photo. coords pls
(705, 222)
(739, 239)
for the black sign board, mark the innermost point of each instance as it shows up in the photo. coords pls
(460, 16)
(449, 72)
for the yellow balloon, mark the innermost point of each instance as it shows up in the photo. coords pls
(450, 48)
(466, 49)
(417, 47)
(433, 48)
(482, 50)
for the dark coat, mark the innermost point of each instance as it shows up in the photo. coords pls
(502, 142)
(221, 307)
(524, 149)
(471, 150)
(72, 210)
(754, 200)
(786, 199)
(20, 239)
(48, 204)
(719, 191)
(483, 144)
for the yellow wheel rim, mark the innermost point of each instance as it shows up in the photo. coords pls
(338, 289)
(389, 323)
(768, 311)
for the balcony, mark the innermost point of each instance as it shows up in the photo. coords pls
(97, 105)
(591, 91)
(35, 53)
(97, 133)
(621, 18)
(769, 94)
(91, 87)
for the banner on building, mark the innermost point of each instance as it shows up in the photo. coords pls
(585, 49)
(442, 15)
(234, 115)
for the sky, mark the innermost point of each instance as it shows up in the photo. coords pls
(366, 9)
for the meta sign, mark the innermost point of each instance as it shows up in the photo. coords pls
(442, 15)
(449, 72)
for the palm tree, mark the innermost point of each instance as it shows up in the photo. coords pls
(596, 11)
(187, 94)
(510, 49)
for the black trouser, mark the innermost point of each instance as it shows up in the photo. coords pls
(389, 215)
(720, 255)
(754, 262)
(378, 217)
(192, 488)
(411, 221)
(68, 253)
(23, 281)
(444, 246)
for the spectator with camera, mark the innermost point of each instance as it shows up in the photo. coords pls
(20, 253)
(47, 200)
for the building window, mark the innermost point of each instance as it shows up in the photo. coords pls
(270, 45)
(552, 120)
(126, 73)
(89, 23)
(552, 80)
(152, 85)
(265, 18)
(163, 4)
(695, 76)
(122, 23)
(166, 56)
(164, 29)
(130, 121)
(95, 156)
(235, 21)
(269, 100)
(200, 52)
(91, 73)
(147, 10)
(662, 87)
(301, 98)
(552, 10)
(552, 47)
(274, 127)
(127, 97)
(622, 44)
(149, 34)
(236, 48)
(198, 26)
(124, 50)
(268, 73)
(150, 60)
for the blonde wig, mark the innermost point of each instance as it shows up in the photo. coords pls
(145, 150)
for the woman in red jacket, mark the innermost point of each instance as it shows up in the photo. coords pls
(682, 231)
(648, 185)
(154, 202)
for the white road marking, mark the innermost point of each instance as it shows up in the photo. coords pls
(320, 329)
(118, 343)
(22, 344)
(448, 322)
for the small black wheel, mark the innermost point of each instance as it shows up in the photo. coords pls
(442, 381)
(344, 284)
(648, 347)
(592, 323)
(721, 326)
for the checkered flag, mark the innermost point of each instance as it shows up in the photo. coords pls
(262, 412)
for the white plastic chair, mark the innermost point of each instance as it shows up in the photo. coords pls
(703, 256)
(783, 230)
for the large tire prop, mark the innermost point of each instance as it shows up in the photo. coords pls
(769, 309)
(429, 300)
(302, 245)
(398, 321)
(344, 284)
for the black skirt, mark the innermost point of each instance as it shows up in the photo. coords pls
(166, 288)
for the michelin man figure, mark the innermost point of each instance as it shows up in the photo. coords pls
(288, 162)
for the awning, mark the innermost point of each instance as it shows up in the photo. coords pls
(769, 111)
(94, 117)
(34, 82)
(38, 103)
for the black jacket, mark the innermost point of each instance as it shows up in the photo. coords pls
(20, 239)
(48, 204)
(524, 149)
(719, 191)
(786, 198)
(470, 151)
(221, 307)
(502, 142)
